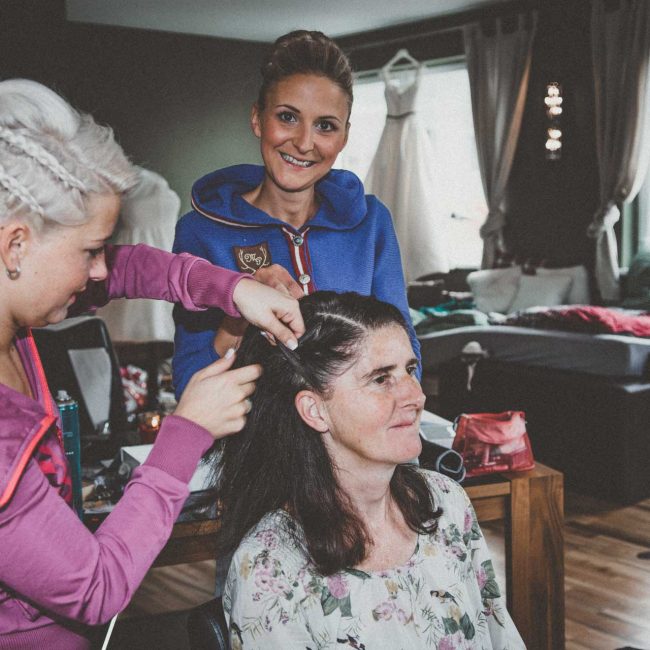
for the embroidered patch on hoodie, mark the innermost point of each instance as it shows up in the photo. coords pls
(250, 259)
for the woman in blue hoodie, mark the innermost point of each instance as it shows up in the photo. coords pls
(295, 223)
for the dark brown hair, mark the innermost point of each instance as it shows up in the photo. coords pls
(305, 52)
(278, 462)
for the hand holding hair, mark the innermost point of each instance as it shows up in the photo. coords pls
(277, 277)
(270, 310)
(216, 397)
(229, 335)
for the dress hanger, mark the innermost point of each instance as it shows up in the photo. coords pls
(400, 55)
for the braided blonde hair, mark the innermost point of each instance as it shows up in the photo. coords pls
(53, 157)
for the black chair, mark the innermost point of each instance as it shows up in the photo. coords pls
(78, 357)
(206, 627)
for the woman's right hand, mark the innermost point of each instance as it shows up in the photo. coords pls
(277, 277)
(216, 397)
(229, 335)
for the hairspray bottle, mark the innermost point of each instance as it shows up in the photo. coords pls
(69, 410)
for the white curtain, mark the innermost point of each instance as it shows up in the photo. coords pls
(148, 216)
(401, 177)
(620, 41)
(499, 68)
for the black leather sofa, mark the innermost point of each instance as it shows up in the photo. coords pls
(594, 429)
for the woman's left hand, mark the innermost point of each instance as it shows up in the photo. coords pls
(272, 311)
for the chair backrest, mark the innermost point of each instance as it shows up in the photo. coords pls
(207, 628)
(78, 357)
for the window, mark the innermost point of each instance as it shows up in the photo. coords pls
(634, 235)
(644, 215)
(444, 104)
(633, 230)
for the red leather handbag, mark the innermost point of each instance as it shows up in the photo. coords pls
(493, 442)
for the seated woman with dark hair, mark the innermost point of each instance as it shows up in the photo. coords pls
(340, 541)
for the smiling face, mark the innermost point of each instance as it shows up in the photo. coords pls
(302, 129)
(372, 412)
(59, 262)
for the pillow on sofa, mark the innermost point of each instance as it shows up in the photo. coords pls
(579, 291)
(494, 289)
(541, 290)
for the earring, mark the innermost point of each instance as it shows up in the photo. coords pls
(15, 274)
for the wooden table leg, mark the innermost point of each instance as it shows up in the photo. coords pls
(535, 558)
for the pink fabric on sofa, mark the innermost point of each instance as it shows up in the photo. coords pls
(585, 318)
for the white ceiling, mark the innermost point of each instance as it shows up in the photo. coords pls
(261, 20)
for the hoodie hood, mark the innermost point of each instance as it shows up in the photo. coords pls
(219, 196)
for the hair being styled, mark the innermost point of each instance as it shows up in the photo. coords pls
(277, 462)
(305, 52)
(52, 157)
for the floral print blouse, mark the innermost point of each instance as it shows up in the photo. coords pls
(445, 597)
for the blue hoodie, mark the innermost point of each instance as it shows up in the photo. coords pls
(349, 245)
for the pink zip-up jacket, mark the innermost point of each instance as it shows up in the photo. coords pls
(55, 575)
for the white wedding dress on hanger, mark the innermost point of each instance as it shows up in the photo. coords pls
(400, 176)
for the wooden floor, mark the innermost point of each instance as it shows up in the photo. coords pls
(607, 584)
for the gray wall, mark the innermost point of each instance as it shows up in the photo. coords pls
(179, 104)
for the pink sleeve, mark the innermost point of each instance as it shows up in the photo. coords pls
(142, 271)
(49, 558)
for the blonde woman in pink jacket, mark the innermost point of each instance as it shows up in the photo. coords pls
(61, 177)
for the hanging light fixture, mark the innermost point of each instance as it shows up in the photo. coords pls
(553, 105)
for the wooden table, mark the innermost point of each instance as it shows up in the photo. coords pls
(532, 506)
